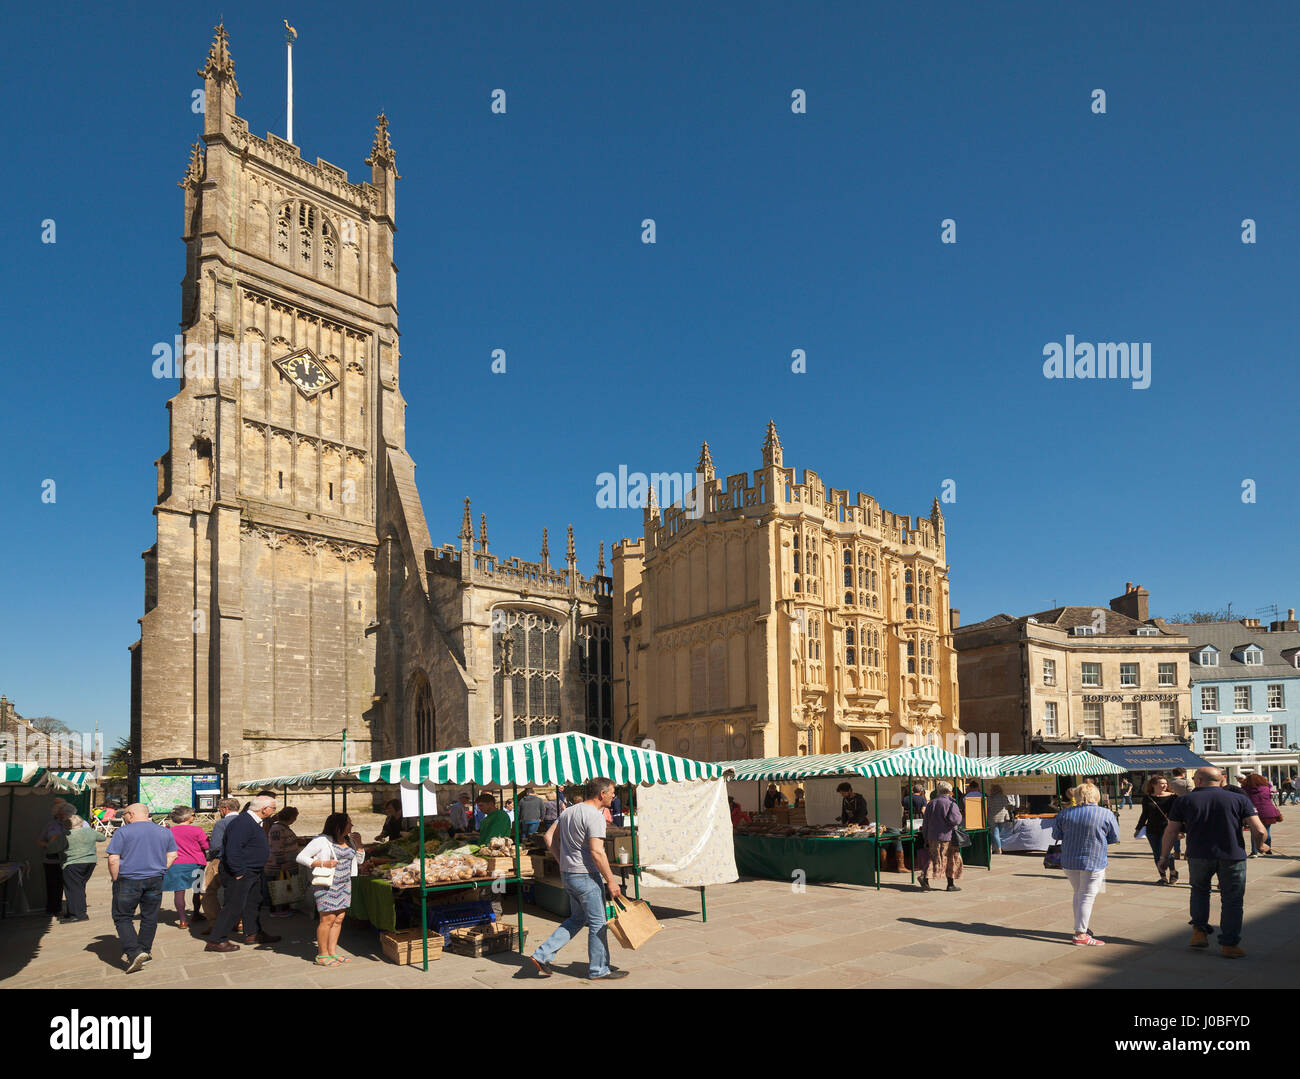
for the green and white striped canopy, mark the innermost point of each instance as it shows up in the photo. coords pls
(1075, 763)
(35, 777)
(926, 761)
(303, 781)
(555, 758)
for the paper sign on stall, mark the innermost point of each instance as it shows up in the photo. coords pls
(411, 800)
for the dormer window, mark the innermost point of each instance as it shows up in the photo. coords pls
(1252, 657)
(1208, 657)
(1146, 631)
(1084, 631)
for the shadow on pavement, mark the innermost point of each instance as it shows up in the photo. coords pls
(20, 941)
(984, 929)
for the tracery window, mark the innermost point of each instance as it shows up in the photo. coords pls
(595, 671)
(526, 649)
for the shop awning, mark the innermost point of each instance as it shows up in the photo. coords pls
(1078, 763)
(555, 758)
(303, 781)
(1151, 758)
(920, 761)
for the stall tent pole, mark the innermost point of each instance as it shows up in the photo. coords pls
(424, 906)
(332, 806)
(636, 857)
(875, 786)
(916, 839)
(519, 880)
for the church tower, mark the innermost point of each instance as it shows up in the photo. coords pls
(266, 586)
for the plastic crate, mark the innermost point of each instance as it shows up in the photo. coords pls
(444, 919)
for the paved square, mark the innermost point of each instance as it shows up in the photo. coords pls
(1007, 928)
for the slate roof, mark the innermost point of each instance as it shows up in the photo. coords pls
(1277, 647)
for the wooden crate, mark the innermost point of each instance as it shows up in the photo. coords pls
(507, 866)
(404, 946)
(486, 938)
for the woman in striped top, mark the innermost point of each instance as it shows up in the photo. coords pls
(1084, 831)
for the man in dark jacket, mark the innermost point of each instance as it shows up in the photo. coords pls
(244, 852)
(854, 808)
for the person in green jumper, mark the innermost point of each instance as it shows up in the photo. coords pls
(496, 822)
(81, 858)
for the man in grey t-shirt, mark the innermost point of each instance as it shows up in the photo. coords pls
(529, 808)
(578, 840)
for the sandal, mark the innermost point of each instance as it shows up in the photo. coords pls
(343, 959)
(1088, 941)
(327, 960)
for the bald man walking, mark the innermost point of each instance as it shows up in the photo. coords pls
(1213, 819)
(139, 853)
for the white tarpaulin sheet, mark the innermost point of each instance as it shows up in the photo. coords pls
(684, 835)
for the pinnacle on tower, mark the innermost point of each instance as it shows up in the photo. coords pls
(570, 553)
(220, 66)
(194, 171)
(600, 562)
(771, 446)
(482, 532)
(935, 511)
(651, 505)
(381, 152)
(546, 549)
(705, 465)
(466, 527)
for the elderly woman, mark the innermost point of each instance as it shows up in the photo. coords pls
(284, 846)
(77, 847)
(186, 873)
(337, 848)
(1084, 831)
(939, 830)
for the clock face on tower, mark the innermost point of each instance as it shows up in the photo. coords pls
(306, 372)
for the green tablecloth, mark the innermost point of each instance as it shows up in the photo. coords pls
(372, 901)
(842, 861)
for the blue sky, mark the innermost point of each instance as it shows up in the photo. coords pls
(775, 231)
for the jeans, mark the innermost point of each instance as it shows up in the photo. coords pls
(243, 895)
(528, 827)
(74, 887)
(1232, 895)
(1087, 885)
(1127, 800)
(587, 900)
(127, 895)
(995, 836)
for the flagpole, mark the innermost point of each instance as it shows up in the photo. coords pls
(289, 34)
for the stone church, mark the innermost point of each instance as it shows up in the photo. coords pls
(293, 596)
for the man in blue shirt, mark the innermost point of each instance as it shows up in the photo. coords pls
(139, 853)
(244, 853)
(1213, 819)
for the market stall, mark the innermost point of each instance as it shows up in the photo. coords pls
(772, 849)
(541, 761)
(28, 791)
(1038, 776)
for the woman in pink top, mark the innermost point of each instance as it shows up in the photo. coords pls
(186, 872)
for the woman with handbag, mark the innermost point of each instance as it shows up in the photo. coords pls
(1156, 800)
(333, 858)
(940, 825)
(1084, 831)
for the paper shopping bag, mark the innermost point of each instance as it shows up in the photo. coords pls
(286, 890)
(633, 923)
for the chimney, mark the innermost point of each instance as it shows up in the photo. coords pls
(954, 617)
(1133, 602)
(1290, 625)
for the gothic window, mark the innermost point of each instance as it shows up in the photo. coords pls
(848, 557)
(907, 576)
(283, 224)
(849, 657)
(796, 585)
(848, 599)
(526, 650)
(911, 614)
(907, 594)
(425, 740)
(328, 256)
(848, 636)
(595, 671)
(848, 578)
(911, 657)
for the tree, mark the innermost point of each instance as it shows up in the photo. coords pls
(1198, 617)
(115, 764)
(49, 725)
